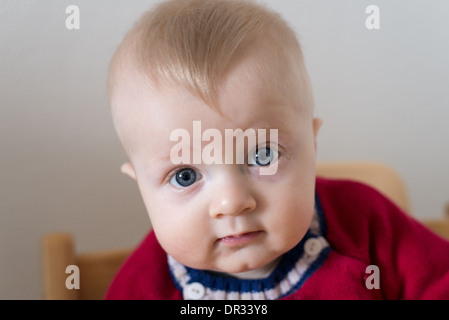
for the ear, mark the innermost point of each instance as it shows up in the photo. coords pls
(127, 168)
(317, 123)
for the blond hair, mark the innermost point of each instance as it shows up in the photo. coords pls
(194, 43)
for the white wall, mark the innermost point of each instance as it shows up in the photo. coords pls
(382, 95)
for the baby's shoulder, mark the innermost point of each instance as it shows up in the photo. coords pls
(356, 215)
(347, 190)
(350, 199)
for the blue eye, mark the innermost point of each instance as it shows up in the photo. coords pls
(184, 178)
(263, 157)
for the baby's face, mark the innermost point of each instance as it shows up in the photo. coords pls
(223, 217)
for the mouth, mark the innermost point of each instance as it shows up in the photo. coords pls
(240, 239)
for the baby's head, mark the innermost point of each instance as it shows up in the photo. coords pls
(204, 68)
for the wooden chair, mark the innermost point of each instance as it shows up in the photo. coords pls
(98, 268)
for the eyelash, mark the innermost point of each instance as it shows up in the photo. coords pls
(175, 171)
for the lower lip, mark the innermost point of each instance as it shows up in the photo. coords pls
(240, 240)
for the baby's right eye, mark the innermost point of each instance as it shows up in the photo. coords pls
(185, 178)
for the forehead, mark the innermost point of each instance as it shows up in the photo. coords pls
(245, 100)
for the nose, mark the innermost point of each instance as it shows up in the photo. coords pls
(232, 198)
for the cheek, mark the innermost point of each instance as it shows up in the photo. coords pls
(294, 214)
(292, 208)
(182, 231)
(178, 237)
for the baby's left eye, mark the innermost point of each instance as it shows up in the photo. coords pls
(263, 156)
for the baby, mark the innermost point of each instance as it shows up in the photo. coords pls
(222, 228)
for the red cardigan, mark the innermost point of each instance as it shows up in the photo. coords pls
(362, 227)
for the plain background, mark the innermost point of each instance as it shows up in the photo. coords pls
(383, 95)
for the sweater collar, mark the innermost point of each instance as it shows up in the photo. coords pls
(289, 275)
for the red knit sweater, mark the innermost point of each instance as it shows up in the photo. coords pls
(362, 227)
